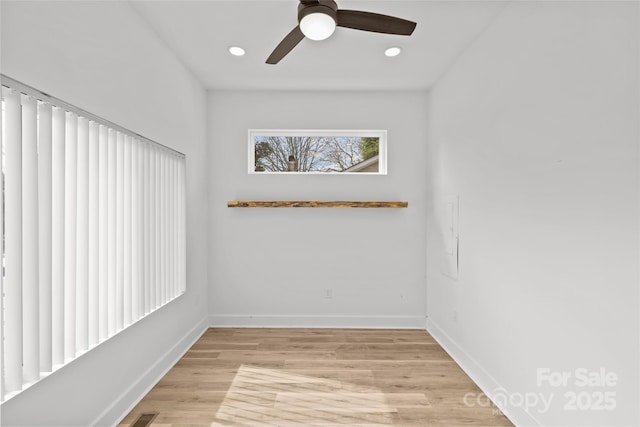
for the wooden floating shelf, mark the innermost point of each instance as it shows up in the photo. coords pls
(312, 204)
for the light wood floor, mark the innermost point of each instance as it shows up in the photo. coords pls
(307, 377)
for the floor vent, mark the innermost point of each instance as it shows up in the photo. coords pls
(145, 419)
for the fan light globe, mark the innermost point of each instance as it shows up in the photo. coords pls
(317, 26)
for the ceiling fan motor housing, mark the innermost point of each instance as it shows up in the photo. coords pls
(326, 7)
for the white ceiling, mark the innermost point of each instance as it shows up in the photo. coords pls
(200, 33)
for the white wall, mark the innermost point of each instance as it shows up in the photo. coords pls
(272, 266)
(102, 58)
(536, 129)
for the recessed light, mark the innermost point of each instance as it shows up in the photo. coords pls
(393, 51)
(236, 51)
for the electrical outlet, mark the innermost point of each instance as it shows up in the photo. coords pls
(328, 293)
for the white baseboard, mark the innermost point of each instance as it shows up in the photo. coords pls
(489, 386)
(311, 321)
(134, 394)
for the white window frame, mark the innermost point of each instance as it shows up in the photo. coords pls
(381, 134)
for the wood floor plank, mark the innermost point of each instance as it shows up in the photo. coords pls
(275, 355)
(314, 377)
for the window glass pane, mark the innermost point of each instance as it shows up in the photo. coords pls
(317, 151)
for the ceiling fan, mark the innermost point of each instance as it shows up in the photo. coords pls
(317, 19)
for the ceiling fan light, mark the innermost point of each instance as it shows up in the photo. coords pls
(317, 26)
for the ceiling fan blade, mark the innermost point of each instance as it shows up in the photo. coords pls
(375, 22)
(290, 41)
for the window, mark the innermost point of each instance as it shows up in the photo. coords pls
(318, 151)
(93, 232)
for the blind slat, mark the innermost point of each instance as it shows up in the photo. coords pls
(44, 226)
(70, 240)
(111, 234)
(172, 229)
(152, 231)
(2, 138)
(182, 260)
(147, 228)
(119, 231)
(93, 242)
(103, 263)
(158, 229)
(57, 235)
(126, 232)
(162, 212)
(82, 234)
(13, 242)
(135, 264)
(30, 252)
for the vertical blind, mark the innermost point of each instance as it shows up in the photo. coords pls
(92, 221)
